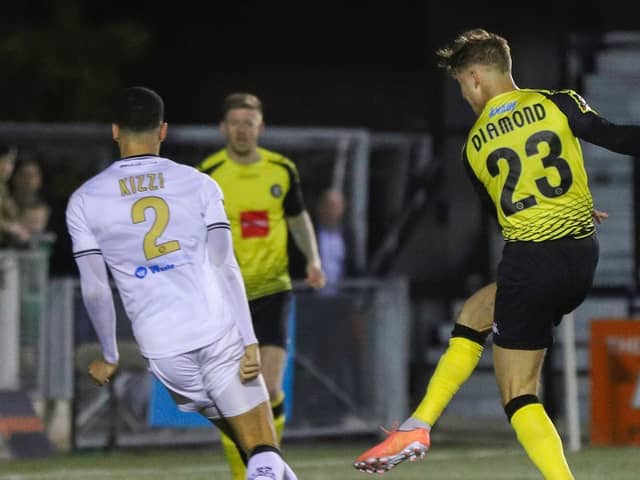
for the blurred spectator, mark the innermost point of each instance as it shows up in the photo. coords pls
(12, 233)
(33, 210)
(35, 217)
(335, 240)
(26, 184)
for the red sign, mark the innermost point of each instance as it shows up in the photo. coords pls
(615, 382)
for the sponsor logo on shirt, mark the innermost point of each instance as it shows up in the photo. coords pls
(141, 272)
(254, 223)
(504, 108)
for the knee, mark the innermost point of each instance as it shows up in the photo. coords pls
(475, 317)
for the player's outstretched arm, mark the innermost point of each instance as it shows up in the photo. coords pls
(594, 128)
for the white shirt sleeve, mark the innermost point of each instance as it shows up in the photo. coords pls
(98, 300)
(94, 279)
(83, 240)
(218, 226)
(222, 258)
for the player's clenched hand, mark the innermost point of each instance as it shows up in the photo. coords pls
(101, 371)
(315, 275)
(250, 363)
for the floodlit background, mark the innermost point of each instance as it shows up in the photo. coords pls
(353, 96)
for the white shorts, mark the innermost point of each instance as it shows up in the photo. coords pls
(206, 380)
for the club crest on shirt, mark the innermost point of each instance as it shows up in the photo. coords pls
(276, 190)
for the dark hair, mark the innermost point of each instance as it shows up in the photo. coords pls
(475, 46)
(241, 100)
(139, 109)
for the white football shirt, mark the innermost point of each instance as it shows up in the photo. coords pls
(148, 217)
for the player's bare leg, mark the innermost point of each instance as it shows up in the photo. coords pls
(272, 360)
(477, 311)
(254, 433)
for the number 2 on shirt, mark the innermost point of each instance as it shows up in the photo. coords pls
(161, 210)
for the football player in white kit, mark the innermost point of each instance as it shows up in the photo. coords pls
(161, 229)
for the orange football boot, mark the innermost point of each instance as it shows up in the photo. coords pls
(400, 445)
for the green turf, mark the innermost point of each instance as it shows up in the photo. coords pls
(320, 461)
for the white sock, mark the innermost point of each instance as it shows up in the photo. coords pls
(288, 473)
(413, 423)
(265, 465)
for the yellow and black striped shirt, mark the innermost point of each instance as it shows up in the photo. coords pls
(524, 151)
(257, 199)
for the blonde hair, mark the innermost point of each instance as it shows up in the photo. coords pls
(475, 46)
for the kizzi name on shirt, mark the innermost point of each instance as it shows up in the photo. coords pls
(141, 183)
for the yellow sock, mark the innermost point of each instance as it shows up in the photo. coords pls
(454, 368)
(236, 464)
(279, 415)
(541, 441)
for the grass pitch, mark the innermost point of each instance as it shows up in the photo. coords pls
(320, 460)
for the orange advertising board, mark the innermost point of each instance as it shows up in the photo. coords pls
(615, 382)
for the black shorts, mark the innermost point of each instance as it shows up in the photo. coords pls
(270, 316)
(539, 282)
